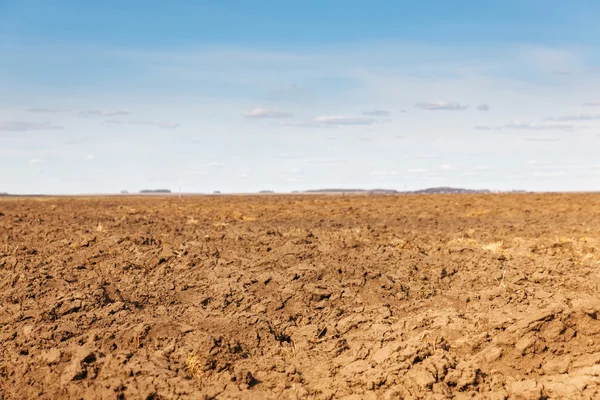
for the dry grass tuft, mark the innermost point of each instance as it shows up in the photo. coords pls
(193, 366)
(464, 241)
(493, 247)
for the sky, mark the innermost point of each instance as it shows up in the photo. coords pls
(242, 96)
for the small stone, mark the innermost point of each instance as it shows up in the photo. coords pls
(467, 378)
(319, 294)
(422, 378)
(385, 353)
(525, 342)
(115, 307)
(499, 395)
(258, 308)
(77, 367)
(355, 368)
(556, 366)
(562, 390)
(73, 372)
(320, 305)
(493, 354)
(290, 370)
(526, 390)
(51, 356)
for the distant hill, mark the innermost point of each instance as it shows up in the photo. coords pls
(434, 190)
(3, 194)
(383, 191)
(448, 190)
(336, 191)
(155, 191)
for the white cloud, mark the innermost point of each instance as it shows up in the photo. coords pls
(543, 58)
(196, 172)
(35, 161)
(535, 126)
(103, 113)
(558, 166)
(43, 110)
(265, 113)
(447, 167)
(214, 164)
(324, 161)
(481, 168)
(301, 124)
(332, 121)
(543, 174)
(441, 105)
(343, 120)
(575, 117)
(483, 107)
(22, 126)
(287, 156)
(378, 172)
(417, 170)
(542, 139)
(90, 157)
(592, 104)
(377, 113)
(531, 162)
(159, 124)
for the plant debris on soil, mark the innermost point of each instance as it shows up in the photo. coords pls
(293, 297)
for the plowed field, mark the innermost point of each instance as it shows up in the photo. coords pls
(294, 297)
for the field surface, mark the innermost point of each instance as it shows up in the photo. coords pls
(300, 297)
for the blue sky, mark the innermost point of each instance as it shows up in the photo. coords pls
(237, 96)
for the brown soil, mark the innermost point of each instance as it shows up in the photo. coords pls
(357, 297)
